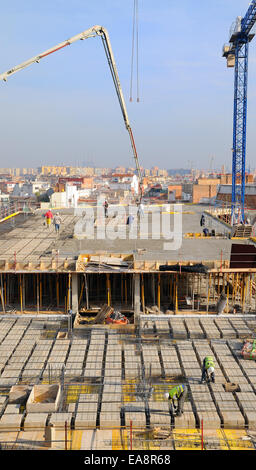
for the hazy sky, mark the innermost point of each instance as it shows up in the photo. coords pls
(65, 109)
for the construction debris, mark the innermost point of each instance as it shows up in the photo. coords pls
(231, 387)
(196, 268)
(100, 317)
(249, 349)
(159, 433)
(94, 262)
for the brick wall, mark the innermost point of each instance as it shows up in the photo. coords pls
(203, 190)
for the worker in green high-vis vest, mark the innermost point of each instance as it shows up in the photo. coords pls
(208, 370)
(177, 394)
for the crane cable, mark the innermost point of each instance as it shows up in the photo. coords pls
(135, 27)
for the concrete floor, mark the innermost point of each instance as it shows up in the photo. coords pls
(30, 239)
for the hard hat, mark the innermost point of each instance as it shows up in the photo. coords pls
(211, 370)
(166, 395)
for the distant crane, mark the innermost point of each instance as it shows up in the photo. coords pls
(236, 53)
(91, 32)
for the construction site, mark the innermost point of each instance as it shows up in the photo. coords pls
(100, 319)
(92, 339)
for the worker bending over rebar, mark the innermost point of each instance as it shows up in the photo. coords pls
(208, 370)
(177, 394)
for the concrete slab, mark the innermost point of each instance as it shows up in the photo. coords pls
(59, 420)
(84, 420)
(35, 420)
(12, 409)
(11, 422)
(232, 419)
(110, 420)
(211, 419)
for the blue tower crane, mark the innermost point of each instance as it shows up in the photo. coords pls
(236, 53)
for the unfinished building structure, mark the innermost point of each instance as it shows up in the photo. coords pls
(67, 372)
(42, 271)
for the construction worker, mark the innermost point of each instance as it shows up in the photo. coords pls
(57, 221)
(48, 217)
(208, 370)
(178, 394)
(106, 208)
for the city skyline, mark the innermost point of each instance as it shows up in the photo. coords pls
(65, 108)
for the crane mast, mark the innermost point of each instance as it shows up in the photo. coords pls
(236, 53)
(89, 33)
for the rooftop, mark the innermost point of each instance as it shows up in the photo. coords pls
(26, 240)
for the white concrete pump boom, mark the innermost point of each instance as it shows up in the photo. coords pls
(92, 32)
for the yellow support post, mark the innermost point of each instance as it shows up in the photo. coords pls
(69, 293)
(108, 290)
(209, 290)
(171, 289)
(37, 293)
(250, 295)
(40, 290)
(243, 293)
(158, 292)
(227, 307)
(5, 289)
(81, 293)
(176, 294)
(57, 290)
(21, 292)
(125, 288)
(142, 293)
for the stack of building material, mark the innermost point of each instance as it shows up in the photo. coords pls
(104, 312)
(249, 371)
(107, 263)
(178, 329)
(147, 327)
(132, 361)
(113, 362)
(187, 420)
(170, 360)
(36, 363)
(60, 420)
(151, 361)
(226, 329)
(229, 366)
(203, 406)
(35, 420)
(86, 411)
(94, 360)
(209, 328)
(189, 363)
(159, 414)
(57, 357)
(162, 328)
(110, 415)
(194, 328)
(112, 392)
(247, 405)
(226, 405)
(11, 422)
(240, 326)
(12, 357)
(135, 416)
(76, 356)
